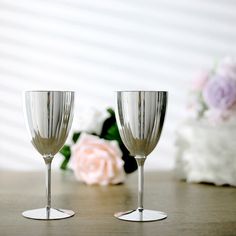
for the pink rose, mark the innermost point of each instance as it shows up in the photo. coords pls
(200, 81)
(97, 161)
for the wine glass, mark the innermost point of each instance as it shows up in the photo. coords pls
(140, 117)
(49, 115)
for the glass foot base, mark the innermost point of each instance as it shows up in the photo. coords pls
(141, 216)
(44, 214)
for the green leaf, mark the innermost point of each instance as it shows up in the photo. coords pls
(76, 136)
(113, 134)
(108, 123)
(66, 152)
(111, 111)
(64, 164)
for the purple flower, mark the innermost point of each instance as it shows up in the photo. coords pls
(220, 93)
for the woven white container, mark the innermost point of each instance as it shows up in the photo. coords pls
(206, 152)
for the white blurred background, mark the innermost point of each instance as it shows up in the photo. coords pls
(98, 46)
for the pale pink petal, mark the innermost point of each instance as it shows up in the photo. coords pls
(97, 161)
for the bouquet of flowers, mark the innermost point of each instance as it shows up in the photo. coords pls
(205, 146)
(213, 95)
(97, 154)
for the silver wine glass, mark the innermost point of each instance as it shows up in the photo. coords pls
(49, 115)
(140, 117)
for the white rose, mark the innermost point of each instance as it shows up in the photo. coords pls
(91, 120)
(227, 68)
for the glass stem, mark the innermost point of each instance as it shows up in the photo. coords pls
(140, 161)
(48, 162)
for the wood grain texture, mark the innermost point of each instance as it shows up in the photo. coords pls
(193, 209)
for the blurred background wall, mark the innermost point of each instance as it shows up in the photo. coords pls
(98, 46)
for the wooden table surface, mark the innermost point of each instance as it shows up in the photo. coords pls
(193, 209)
